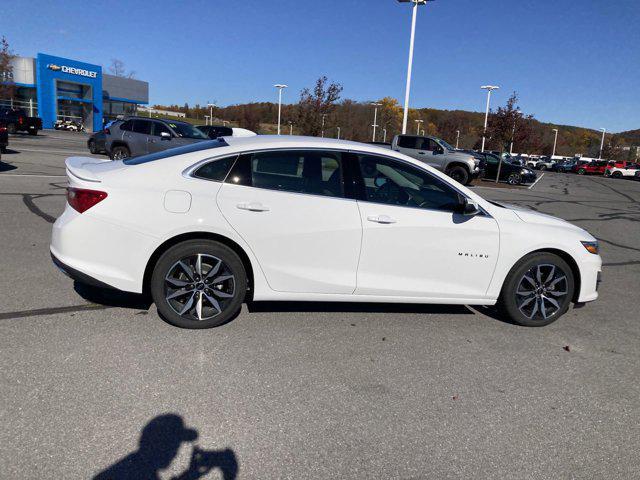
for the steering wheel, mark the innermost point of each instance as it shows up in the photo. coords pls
(390, 193)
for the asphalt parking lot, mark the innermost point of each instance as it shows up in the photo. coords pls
(313, 390)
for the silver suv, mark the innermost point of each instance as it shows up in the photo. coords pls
(437, 153)
(138, 136)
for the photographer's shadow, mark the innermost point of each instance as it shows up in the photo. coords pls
(160, 441)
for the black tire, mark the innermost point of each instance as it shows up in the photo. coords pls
(92, 146)
(543, 167)
(234, 288)
(33, 132)
(11, 128)
(616, 174)
(459, 174)
(581, 171)
(514, 307)
(3, 149)
(514, 179)
(119, 153)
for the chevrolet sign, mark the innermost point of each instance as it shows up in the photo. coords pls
(72, 70)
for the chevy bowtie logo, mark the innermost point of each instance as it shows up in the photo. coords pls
(54, 67)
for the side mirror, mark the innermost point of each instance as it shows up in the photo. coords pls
(438, 151)
(468, 207)
(165, 135)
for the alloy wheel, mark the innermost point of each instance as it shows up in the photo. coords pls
(542, 291)
(199, 287)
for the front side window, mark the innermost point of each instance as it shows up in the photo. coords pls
(160, 128)
(395, 183)
(312, 172)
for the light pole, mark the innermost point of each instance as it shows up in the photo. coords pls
(489, 89)
(211, 105)
(457, 138)
(418, 122)
(602, 142)
(384, 135)
(322, 132)
(555, 142)
(224, 123)
(338, 132)
(513, 130)
(280, 87)
(290, 128)
(410, 64)
(375, 119)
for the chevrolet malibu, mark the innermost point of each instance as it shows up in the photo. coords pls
(204, 227)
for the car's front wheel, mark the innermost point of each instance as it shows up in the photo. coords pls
(198, 284)
(92, 146)
(537, 290)
(616, 174)
(459, 174)
(120, 153)
(514, 179)
(582, 171)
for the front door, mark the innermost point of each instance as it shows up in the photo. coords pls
(413, 243)
(289, 206)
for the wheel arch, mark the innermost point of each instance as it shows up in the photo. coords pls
(119, 143)
(167, 244)
(457, 163)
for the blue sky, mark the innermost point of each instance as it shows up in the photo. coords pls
(572, 62)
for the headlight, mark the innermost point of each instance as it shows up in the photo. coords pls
(524, 171)
(592, 247)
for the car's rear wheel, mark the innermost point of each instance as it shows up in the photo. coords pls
(581, 171)
(459, 174)
(616, 174)
(198, 284)
(514, 179)
(537, 290)
(92, 146)
(119, 153)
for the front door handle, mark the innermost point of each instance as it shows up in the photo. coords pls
(385, 219)
(253, 207)
(420, 153)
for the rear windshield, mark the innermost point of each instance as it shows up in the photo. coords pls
(172, 152)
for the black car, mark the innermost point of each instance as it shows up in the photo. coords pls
(215, 131)
(512, 174)
(16, 120)
(4, 137)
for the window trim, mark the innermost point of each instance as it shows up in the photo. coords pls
(211, 160)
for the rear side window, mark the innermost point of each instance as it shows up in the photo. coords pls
(142, 126)
(126, 126)
(172, 152)
(407, 142)
(313, 172)
(215, 170)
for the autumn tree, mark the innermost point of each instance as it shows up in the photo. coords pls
(508, 124)
(315, 103)
(7, 87)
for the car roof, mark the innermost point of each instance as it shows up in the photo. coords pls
(137, 117)
(297, 141)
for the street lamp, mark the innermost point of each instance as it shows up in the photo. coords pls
(457, 138)
(489, 89)
(324, 115)
(280, 87)
(338, 132)
(513, 130)
(211, 105)
(375, 119)
(224, 123)
(290, 127)
(602, 142)
(555, 141)
(418, 122)
(410, 64)
(384, 135)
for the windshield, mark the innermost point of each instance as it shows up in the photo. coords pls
(445, 144)
(172, 152)
(186, 130)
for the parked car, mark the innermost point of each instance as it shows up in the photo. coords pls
(4, 137)
(437, 153)
(211, 224)
(137, 136)
(595, 167)
(16, 120)
(216, 131)
(564, 166)
(69, 125)
(545, 163)
(512, 174)
(620, 170)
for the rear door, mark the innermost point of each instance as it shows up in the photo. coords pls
(138, 138)
(412, 146)
(290, 207)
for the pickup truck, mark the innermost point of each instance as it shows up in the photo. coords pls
(16, 120)
(462, 167)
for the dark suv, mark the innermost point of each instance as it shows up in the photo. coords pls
(137, 136)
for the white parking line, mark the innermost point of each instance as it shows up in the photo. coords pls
(61, 152)
(30, 175)
(534, 183)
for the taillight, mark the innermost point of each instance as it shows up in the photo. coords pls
(82, 199)
(107, 131)
(3, 129)
(20, 120)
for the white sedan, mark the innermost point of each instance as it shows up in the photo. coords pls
(619, 172)
(204, 227)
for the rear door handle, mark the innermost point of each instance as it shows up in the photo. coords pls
(385, 219)
(253, 207)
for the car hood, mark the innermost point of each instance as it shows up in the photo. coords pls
(463, 157)
(531, 216)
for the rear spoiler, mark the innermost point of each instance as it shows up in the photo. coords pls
(82, 168)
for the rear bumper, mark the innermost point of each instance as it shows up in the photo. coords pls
(78, 275)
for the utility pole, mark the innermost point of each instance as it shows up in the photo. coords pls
(489, 89)
(375, 119)
(457, 138)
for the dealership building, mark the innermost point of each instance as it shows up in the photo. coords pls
(56, 88)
